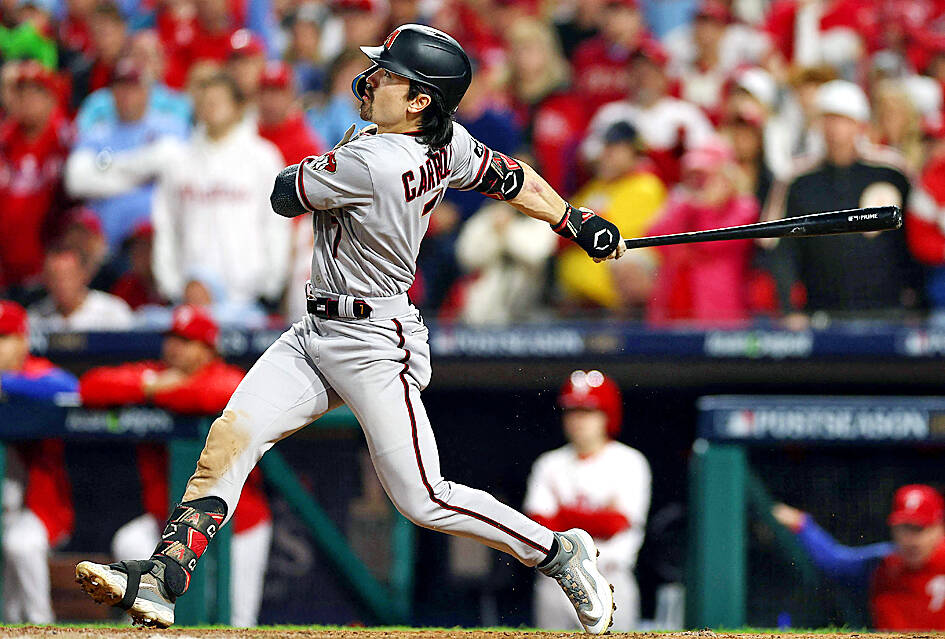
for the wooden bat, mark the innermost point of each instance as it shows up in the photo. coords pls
(877, 218)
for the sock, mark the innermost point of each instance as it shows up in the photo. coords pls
(188, 532)
(552, 553)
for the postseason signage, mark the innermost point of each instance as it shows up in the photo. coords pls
(839, 420)
(21, 419)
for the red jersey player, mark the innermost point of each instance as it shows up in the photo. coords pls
(906, 577)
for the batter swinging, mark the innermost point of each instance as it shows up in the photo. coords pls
(363, 344)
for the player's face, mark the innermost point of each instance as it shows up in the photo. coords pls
(13, 350)
(916, 544)
(586, 428)
(385, 102)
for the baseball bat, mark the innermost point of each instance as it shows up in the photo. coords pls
(876, 218)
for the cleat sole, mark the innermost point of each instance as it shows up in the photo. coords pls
(106, 588)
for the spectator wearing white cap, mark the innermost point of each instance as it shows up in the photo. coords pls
(861, 272)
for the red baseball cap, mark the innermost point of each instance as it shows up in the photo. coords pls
(713, 9)
(13, 320)
(654, 52)
(629, 4)
(276, 75)
(366, 6)
(244, 42)
(32, 72)
(918, 505)
(193, 322)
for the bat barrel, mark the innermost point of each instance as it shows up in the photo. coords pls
(865, 220)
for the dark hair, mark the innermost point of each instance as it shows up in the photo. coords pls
(224, 79)
(108, 10)
(436, 123)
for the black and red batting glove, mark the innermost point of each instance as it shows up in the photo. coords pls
(597, 236)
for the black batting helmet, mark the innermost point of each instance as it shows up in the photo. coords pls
(425, 55)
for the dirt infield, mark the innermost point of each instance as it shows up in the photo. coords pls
(73, 632)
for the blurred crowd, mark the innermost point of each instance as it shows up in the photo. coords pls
(139, 140)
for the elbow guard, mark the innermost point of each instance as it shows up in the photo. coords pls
(284, 199)
(503, 178)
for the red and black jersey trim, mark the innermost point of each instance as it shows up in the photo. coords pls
(423, 473)
(300, 187)
(486, 159)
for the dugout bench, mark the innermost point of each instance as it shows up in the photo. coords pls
(207, 600)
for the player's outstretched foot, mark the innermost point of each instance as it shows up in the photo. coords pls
(135, 586)
(574, 567)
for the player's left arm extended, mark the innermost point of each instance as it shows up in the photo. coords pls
(521, 186)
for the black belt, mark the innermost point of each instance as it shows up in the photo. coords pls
(330, 308)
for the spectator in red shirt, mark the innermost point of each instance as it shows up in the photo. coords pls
(707, 282)
(906, 577)
(601, 73)
(668, 126)
(925, 225)
(280, 121)
(34, 143)
(813, 32)
(191, 37)
(37, 499)
(191, 378)
(553, 117)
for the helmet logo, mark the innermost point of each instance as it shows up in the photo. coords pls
(390, 39)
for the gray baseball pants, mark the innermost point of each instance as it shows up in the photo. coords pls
(378, 367)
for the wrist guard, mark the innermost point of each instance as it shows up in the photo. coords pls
(597, 236)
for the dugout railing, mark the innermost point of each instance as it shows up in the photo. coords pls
(724, 491)
(207, 600)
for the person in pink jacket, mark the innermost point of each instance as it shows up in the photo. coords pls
(704, 283)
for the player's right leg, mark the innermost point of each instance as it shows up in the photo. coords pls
(281, 394)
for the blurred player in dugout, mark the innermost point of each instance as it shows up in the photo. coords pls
(594, 483)
(190, 379)
(37, 496)
(906, 578)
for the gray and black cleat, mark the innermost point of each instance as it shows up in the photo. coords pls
(574, 567)
(135, 586)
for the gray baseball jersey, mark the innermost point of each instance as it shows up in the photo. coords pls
(374, 196)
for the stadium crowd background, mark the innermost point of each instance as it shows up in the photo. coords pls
(132, 159)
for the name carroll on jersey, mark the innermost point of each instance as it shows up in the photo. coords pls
(431, 174)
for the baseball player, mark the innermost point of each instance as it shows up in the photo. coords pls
(906, 578)
(593, 483)
(190, 379)
(362, 343)
(36, 493)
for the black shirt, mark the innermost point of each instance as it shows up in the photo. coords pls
(850, 272)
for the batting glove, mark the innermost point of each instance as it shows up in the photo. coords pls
(598, 237)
